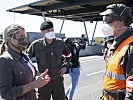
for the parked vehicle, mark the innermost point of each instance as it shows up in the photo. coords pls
(1, 38)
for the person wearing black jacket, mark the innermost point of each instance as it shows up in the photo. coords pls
(74, 70)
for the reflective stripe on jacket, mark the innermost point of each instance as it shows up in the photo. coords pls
(114, 78)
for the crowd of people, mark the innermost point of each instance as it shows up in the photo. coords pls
(19, 77)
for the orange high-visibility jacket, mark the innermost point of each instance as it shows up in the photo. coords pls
(114, 78)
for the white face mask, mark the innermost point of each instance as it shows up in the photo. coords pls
(107, 30)
(49, 35)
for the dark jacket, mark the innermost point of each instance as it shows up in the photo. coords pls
(75, 54)
(127, 59)
(49, 56)
(14, 73)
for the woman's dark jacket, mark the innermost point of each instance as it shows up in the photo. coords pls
(14, 73)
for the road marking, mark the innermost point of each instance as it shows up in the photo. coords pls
(95, 73)
(84, 60)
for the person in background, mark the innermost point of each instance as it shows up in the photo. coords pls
(74, 69)
(18, 76)
(83, 42)
(118, 76)
(108, 42)
(48, 52)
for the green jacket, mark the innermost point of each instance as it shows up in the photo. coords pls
(49, 56)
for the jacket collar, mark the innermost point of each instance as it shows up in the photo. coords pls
(15, 55)
(121, 38)
(45, 42)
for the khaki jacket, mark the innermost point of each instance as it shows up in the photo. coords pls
(49, 56)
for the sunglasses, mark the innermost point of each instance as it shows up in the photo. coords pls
(110, 18)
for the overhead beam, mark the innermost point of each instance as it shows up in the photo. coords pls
(64, 4)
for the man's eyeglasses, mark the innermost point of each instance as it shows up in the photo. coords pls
(110, 18)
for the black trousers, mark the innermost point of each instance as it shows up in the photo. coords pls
(113, 96)
(54, 88)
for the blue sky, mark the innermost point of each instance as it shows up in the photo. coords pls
(32, 23)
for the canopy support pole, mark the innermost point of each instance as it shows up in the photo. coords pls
(43, 16)
(94, 33)
(62, 26)
(86, 31)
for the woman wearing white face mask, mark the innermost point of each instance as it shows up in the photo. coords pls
(48, 52)
(117, 80)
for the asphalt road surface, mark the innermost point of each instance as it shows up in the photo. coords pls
(90, 82)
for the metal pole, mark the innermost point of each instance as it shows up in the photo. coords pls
(93, 33)
(14, 18)
(44, 16)
(62, 25)
(86, 32)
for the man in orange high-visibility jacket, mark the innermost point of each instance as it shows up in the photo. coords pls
(119, 60)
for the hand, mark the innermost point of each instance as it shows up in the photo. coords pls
(41, 80)
(62, 71)
(44, 74)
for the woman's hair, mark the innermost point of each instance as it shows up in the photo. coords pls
(9, 32)
(2, 48)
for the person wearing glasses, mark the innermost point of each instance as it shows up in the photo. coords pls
(18, 76)
(48, 52)
(118, 76)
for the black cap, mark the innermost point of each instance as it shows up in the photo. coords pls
(46, 25)
(109, 38)
(117, 9)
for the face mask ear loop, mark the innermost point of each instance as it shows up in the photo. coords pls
(113, 27)
(26, 35)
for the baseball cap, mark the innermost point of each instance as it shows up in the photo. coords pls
(109, 38)
(46, 25)
(117, 9)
